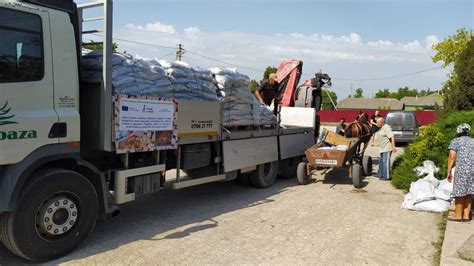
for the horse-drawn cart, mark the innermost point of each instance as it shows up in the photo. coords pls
(343, 152)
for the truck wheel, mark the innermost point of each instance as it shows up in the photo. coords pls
(367, 165)
(288, 167)
(55, 214)
(302, 174)
(357, 175)
(265, 175)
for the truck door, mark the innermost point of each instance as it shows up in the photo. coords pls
(26, 81)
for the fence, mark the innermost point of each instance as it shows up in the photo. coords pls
(333, 116)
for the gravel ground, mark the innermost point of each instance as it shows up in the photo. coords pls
(325, 222)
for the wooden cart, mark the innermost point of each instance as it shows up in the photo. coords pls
(335, 157)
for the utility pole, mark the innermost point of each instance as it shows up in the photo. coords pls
(179, 52)
(351, 91)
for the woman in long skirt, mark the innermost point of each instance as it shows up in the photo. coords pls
(461, 154)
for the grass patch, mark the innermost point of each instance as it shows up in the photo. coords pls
(439, 244)
(466, 258)
(432, 144)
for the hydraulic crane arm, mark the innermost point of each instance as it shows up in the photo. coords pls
(288, 77)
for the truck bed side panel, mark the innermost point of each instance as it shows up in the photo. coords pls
(244, 153)
(295, 144)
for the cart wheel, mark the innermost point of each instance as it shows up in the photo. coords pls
(367, 165)
(357, 175)
(302, 174)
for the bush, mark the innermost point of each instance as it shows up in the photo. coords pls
(432, 144)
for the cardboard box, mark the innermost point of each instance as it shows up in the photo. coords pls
(335, 139)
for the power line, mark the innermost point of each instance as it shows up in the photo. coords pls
(135, 42)
(389, 77)
(161, 57)
(260, 71)
(183, 50)
(223, 62)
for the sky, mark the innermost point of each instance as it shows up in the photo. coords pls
(358, 43)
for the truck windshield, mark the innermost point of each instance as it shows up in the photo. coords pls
(21, 47)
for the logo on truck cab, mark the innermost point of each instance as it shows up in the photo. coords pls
(5, 119)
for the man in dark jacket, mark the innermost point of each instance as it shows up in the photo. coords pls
(268, 90)
(373, 121)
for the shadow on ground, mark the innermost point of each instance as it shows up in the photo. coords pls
(156, 214)
(338, 176)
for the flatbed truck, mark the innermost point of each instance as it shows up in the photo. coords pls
(59, 168)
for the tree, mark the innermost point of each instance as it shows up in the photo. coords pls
(451, 50)
(95, 46)
(269, 70)
(383, 93)
(326, 103)
(406, 92)
(403, 92)
(253, 86)
(359, 93)
(464, 71)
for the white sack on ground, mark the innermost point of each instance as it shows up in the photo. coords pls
(422, 190)
(428, 170)
(428, 194)
(432, 206)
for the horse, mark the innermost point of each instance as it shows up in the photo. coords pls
(361, 131)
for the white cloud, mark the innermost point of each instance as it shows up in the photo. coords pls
(156, 26)
(191, 31)
(341, 56)
(413, 46)
(430, 41)
(353, 38)
(380, 43)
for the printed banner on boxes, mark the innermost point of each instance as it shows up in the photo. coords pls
(144, 124)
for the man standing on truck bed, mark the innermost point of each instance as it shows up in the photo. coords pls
(268, 90)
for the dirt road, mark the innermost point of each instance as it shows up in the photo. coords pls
(326, 222)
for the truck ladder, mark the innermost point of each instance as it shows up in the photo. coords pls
(106, 115)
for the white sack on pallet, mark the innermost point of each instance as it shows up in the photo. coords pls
(240, 107)
(151, 77)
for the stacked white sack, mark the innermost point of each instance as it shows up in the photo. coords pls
(190, 83)
(240, 107)
(145, 77)
(428, 194)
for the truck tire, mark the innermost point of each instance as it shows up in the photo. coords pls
(265, 175)
(57, 211)
(288, 167)
(301, 174)
(357, 175)
(367, 165)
